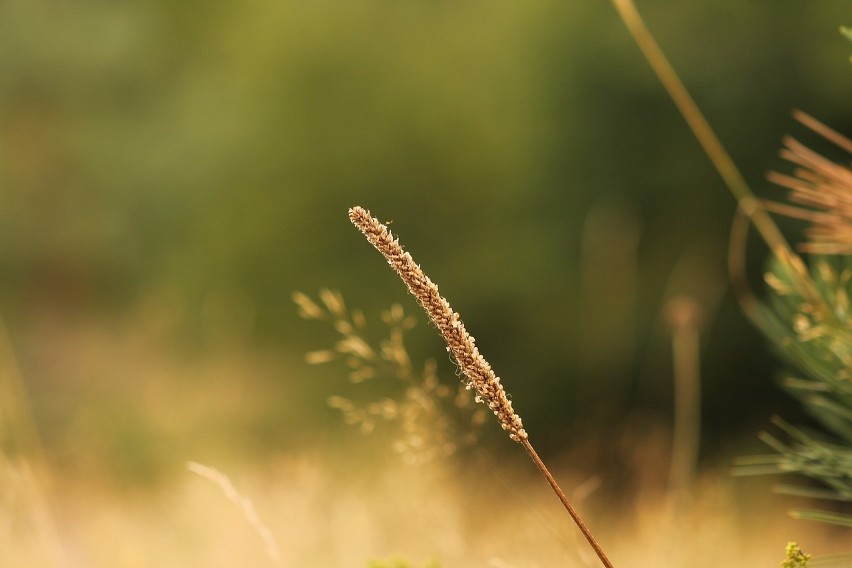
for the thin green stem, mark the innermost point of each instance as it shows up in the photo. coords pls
(559, 493)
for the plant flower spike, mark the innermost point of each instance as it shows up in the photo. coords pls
(460, 344)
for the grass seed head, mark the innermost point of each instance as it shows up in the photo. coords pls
(476, 369)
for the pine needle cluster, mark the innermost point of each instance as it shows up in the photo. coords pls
(808, 318)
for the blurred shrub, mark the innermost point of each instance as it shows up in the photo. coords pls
(530, 158)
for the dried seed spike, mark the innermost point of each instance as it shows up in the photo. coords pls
(477, 370)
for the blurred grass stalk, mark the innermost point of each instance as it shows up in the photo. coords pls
(684, 319)
(714, 149)
(24, 476)
(244, 504)
(19, 435)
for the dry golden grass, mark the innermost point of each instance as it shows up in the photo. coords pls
(342, 505)
(326, 512)
(337, 505)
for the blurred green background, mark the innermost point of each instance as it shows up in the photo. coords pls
(170, 172)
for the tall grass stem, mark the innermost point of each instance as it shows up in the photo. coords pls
(478, 372)
(564, 499)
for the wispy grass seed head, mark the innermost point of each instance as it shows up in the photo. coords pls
(432, 419)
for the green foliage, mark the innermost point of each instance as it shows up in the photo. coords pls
(200, 151)
(808, 320)
(810, 455)
(814, 333)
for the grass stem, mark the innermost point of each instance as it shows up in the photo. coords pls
(559, 493)
(749, 204)
(480, 376)
(701, 129)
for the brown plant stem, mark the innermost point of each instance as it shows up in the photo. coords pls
(559, 493)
